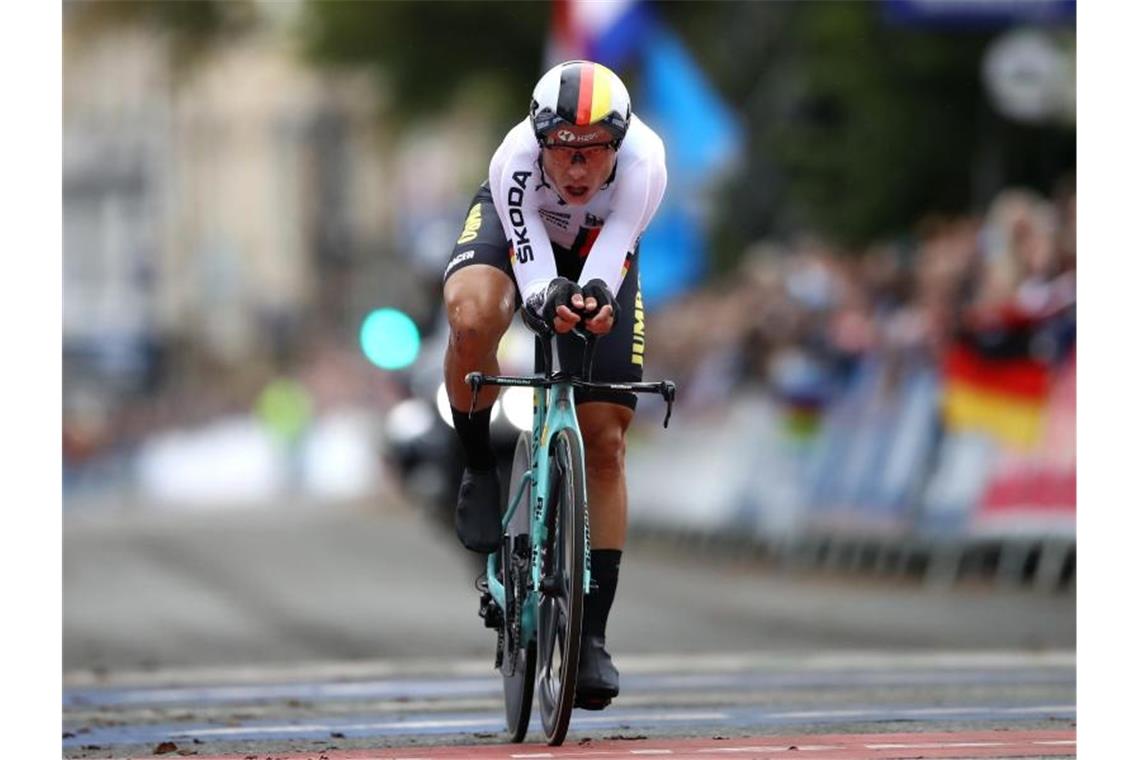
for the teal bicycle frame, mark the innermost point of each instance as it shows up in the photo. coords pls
(554, 411)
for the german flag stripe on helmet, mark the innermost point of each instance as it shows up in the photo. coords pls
(568, 94)
(585, 95)
(601, 102)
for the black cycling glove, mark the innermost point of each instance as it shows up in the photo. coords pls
(600, 292)
(558, 293)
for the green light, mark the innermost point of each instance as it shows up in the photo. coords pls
(390, 339)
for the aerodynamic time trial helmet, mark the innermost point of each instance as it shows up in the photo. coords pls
(579, 93)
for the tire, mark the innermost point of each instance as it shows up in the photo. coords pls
(518, 658)
(560, 607)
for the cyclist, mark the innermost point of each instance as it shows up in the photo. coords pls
(555, 230)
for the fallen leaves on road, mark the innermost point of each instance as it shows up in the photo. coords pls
(165, 748)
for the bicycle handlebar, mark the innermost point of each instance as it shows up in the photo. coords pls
(545, 335)
(667, 389)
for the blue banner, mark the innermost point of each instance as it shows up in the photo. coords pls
(972, 13)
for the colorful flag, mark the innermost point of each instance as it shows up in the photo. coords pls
(1003, 397)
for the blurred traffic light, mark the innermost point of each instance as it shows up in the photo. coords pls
(390, 339)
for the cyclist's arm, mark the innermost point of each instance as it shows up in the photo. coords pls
(641, 185)
(513, 176)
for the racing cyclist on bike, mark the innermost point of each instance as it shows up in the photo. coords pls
(555, 229)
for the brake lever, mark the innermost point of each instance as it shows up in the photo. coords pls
(588, 356)
(475, 380)
(668, 392)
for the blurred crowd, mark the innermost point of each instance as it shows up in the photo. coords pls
(792, 319)
(797, 319)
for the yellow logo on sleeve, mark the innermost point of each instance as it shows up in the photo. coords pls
(471, 226)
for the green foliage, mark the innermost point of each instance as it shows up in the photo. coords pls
(431, 51)
(857, 128)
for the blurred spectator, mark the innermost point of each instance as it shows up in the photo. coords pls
(799, 320)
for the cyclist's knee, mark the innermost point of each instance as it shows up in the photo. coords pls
(603, 433)
(479, 310)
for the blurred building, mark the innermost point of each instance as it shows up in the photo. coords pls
(210, 207)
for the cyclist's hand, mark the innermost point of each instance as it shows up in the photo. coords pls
(565, 319)
(562, 302)
(603, 322)
(600, 310)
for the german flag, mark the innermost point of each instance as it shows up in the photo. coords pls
(1004, 397)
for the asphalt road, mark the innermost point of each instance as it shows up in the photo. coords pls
(148, 591)
(299, 628)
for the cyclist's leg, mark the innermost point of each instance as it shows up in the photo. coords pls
(480, 302)
(604, 426)
(480, 296)
(604, 418)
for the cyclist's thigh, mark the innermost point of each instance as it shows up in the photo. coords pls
(478, 282)
(481, 242)
(619, 355)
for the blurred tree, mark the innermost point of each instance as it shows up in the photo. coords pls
(857, 128)
(190, 24)
(430, 52)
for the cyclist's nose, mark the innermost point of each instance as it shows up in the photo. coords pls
(577, 170)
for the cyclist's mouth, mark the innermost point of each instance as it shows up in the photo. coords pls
(577, 191)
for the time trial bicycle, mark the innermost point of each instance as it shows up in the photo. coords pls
(535, 583)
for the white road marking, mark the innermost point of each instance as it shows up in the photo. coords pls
(817, 747)
(782, 748)
(298, 728)
(1057, 741)
(937, 745)
(651, 752)
(823, 714)
(653, 716)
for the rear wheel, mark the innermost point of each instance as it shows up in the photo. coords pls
(518, 662)
(560, 601)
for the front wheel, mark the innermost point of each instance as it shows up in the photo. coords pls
(518, 657)
(560, 603)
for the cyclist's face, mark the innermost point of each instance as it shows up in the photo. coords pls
(578, 160)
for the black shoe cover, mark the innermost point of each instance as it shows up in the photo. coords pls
(597, 676)
(477, 519)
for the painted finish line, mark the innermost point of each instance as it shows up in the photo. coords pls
(972, 744)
